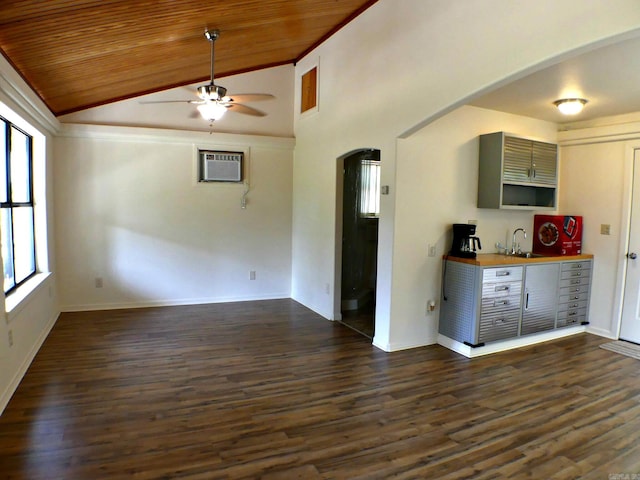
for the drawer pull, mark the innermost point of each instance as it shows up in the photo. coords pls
(503, 273)
(500, 302)
(502, 288)
(575, 282)
(498, 321)
(572, 314)
(576, 297)
(576, 289)
(577, 274)
(575, 305)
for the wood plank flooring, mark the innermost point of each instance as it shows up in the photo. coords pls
(269, 390)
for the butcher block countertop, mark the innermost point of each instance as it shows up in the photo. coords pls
(495, 259)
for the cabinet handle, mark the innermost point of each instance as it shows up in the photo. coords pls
(503, 288)
(577, 274)
(575, 282)
(576, 297)
(526, 303)
(576, 289)
(575, 305)
(498, 321)
(500, 302)
(504, 273)
(572, 314)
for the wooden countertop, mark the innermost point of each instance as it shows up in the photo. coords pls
(494, 259)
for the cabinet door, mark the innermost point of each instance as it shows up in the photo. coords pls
(545, 161)
(517, 160)
(540, 298)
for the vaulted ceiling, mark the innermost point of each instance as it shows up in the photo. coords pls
(77, 54)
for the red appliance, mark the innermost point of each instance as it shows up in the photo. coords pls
(557, 234)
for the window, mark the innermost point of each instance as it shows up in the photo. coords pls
(16, 205)
(370, 188)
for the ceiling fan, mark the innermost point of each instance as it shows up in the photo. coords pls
(214, 101)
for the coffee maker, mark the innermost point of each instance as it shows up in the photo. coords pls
(465, 243)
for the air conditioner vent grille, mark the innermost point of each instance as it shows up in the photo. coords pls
(219, 166)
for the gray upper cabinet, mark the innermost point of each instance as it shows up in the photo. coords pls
(516, 173)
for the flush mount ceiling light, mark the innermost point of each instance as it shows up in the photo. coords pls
(570, 106)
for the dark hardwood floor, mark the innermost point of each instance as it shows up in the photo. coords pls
(270, 390)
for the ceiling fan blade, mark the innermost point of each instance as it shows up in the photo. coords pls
(248, 97)
(145, 102)
(239, 108)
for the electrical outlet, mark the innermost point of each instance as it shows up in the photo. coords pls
(432, 250)
(11, 338)
(98, 282)
(252, 275)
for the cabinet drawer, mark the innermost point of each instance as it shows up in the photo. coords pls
(579, 289)
(572, 298)
(571, 317)
(577, 273)
(572, 306)
(498, 327)
(580, 265)
(574, 282)
(498, 305)
(501, 274)
(502, 289)
(565, 316)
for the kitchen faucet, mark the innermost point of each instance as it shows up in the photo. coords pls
(513, 241)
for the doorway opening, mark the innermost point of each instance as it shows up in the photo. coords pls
(360, 216)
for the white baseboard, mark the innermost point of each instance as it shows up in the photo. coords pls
(396, 347)
(169, 303)
(601, 332)
(22, 370)
(495, 347)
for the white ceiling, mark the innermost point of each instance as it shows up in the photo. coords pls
(609, 78)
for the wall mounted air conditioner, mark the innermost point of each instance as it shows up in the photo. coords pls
(217, 166)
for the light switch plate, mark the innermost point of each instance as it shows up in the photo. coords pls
(605, 229)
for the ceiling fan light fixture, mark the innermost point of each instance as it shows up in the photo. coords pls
(211, 92)
(212, 111)
(570, 106)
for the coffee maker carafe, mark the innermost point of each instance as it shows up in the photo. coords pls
(465, 243)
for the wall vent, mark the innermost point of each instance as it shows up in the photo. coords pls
(218, 166)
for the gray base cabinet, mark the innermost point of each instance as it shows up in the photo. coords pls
(486, 304)
(540, 302)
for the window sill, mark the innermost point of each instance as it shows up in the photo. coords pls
(16, 300)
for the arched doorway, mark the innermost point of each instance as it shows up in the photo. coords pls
(360, 215)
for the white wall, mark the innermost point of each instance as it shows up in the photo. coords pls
(437, 175)
(394, 69)
(277, 81)
(596, 183)
(130, 211)
(30, 318)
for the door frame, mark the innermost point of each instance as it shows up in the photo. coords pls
(625, 229)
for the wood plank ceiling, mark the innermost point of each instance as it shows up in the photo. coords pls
(77, 54)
